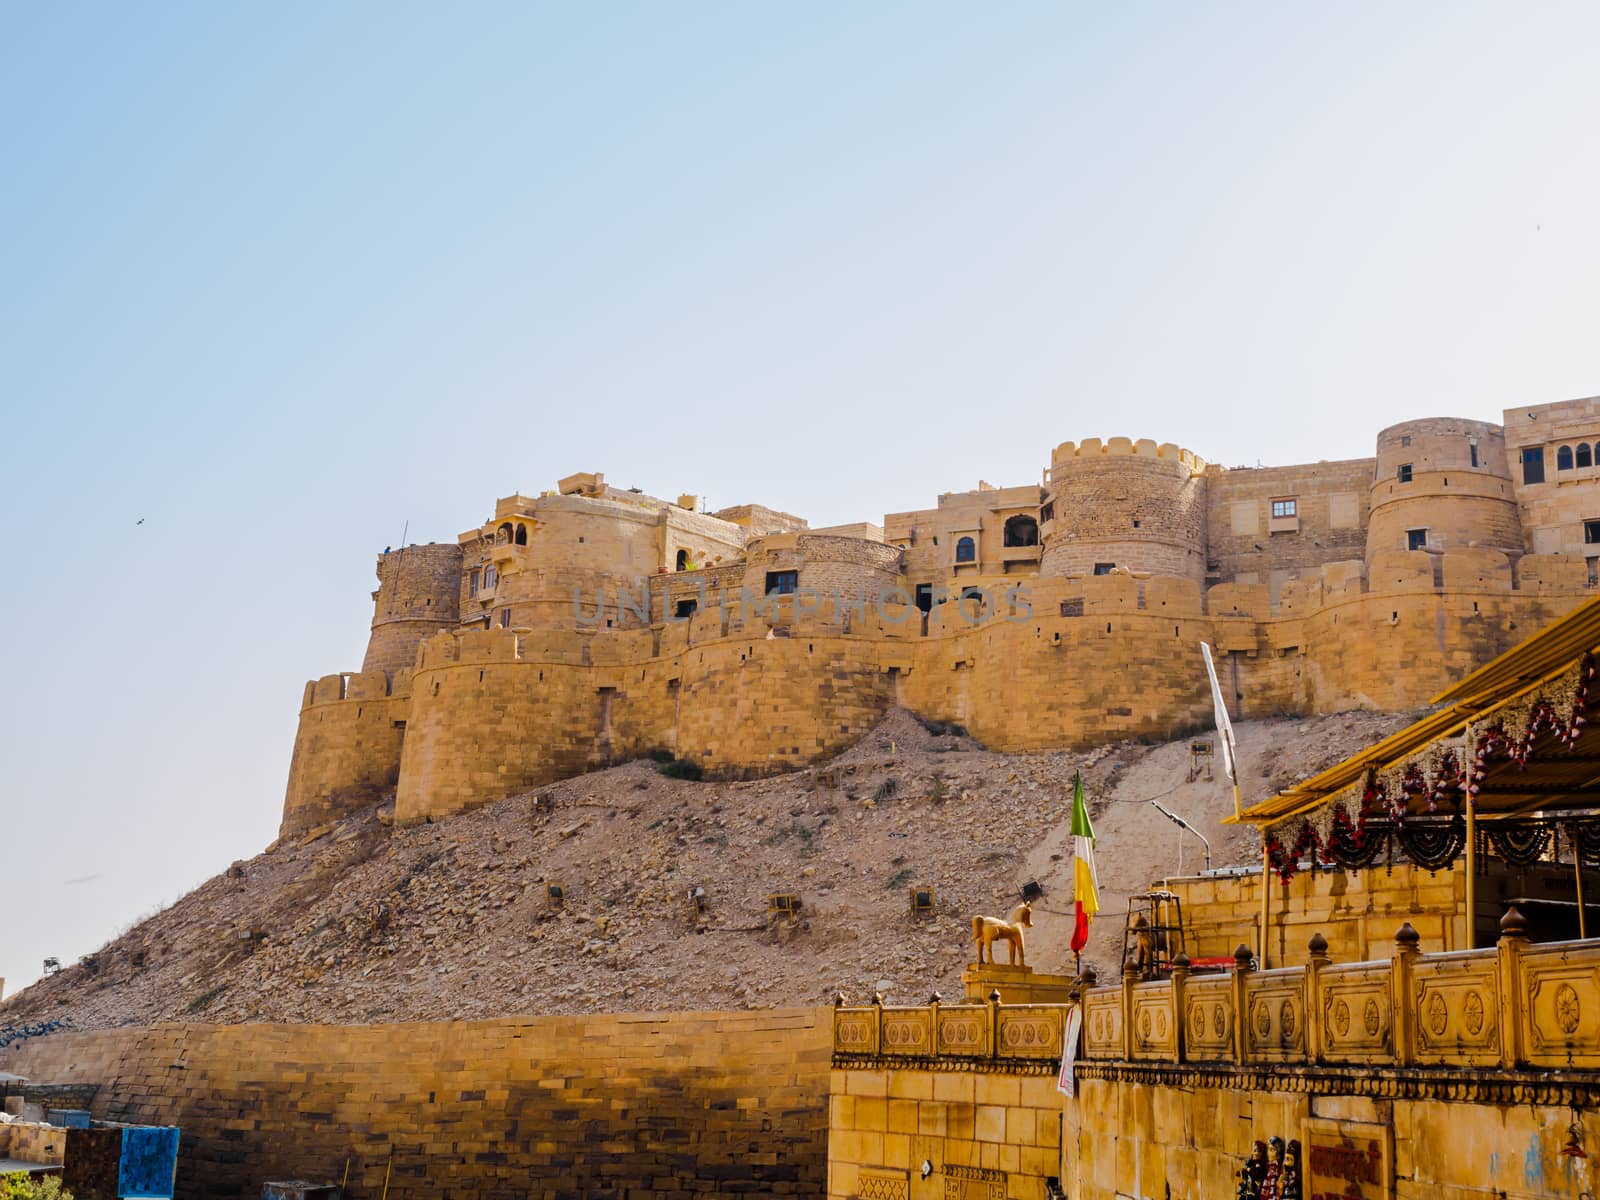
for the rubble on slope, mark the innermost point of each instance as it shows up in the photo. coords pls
(453, 920)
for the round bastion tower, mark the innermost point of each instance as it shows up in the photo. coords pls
(1443, 484)
(1122, 504)
(419, 594)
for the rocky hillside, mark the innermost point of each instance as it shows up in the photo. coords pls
(370, 923)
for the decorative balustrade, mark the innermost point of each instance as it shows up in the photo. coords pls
(992, 1032)
(1509, 1006)
(1513, 1005)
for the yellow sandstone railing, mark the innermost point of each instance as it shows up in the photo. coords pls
(977, 1032)
(1512, 1005)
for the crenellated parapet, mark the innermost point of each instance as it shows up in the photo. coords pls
(1123, 503)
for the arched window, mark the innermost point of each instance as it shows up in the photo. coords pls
(1564, 459)
(522, 535)
(1021, 531)
(490, 578)
(1584, 457)
(503, 534)
(966, 550)
(683, 560)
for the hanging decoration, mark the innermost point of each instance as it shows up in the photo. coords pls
(1520, 843)
(1437, 780)
(1434, 846)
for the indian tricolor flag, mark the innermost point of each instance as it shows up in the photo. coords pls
(1085, 886)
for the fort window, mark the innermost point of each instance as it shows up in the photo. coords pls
(1021, 531)
(925, 597)
(1591, 533)
(685, 608)
(966, 550)
(1584, 457)
(683, 560)
(1048, 512)
(1416, 539)
(1472, 450)
(522, 535)
(1564, 458)
(1104, 568)
(782, 583)
(490, 577)
(505, 618)
(1284, 508)
(472, 584)
(1533, 464)
(1404, 473)
(503, 534)
(1405, 440)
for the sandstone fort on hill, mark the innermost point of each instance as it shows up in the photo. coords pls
(591, 624)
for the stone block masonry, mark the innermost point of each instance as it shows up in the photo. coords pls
(677, 1105)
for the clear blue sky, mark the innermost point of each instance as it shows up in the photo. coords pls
(279, 279)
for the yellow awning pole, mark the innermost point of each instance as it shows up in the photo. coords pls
(1266, 901)
(1472, 845)
(1577, 875)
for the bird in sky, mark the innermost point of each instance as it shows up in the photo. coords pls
(140, 521)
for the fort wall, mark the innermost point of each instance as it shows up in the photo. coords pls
(675, 1105)
(783, 682)
(348, 747)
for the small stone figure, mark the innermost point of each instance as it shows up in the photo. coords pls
(986, 931)
(1144, 953)
(1290, 1187)
(1252, 1173)
(1274, 1176)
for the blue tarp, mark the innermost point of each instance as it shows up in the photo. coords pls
(149, 1162)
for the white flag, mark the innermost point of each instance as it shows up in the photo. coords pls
(1065, 1084)
(1224, 726)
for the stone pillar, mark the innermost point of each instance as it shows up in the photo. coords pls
(1241, 1012)
(1180, 980)
(1315, 962)
(1401, 995)
(1513, 940)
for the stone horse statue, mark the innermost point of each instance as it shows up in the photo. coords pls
(986, 931)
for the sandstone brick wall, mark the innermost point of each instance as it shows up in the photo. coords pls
(1157, 1139)
(1243, 541)
(679, 1105)
(418, 595)
(977, 1131)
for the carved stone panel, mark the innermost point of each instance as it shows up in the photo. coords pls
(1030, 1031)
(1561, 999)
(1102, 1024)
(962, 1030)
(1275, 1026)
(1357, 1017)
(1458, 1008)
(1209, 1032)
